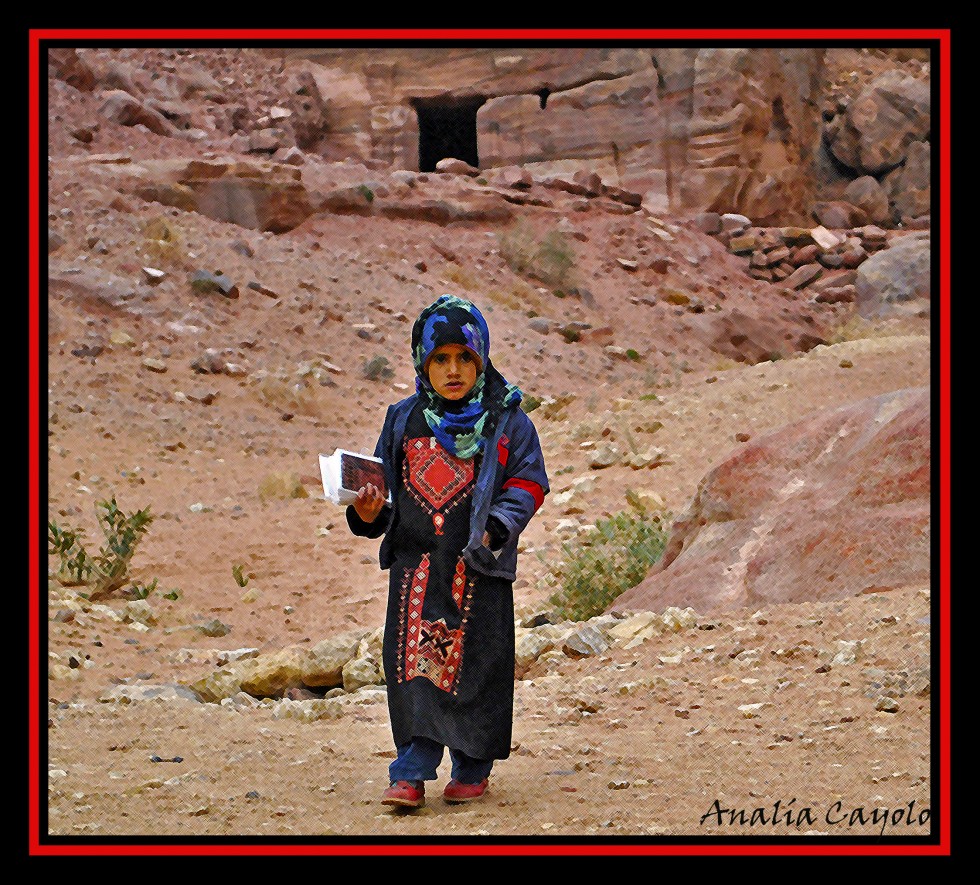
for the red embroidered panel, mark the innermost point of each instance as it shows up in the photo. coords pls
(435, 474)
(459, 583)
(413, 626)
(432, 649)
(439, 654)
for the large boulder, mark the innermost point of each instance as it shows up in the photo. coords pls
(270, 675)
(874, 133)
(870, 197)
(324, 665)
(897, 280)
(831, 506)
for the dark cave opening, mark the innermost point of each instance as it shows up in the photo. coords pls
(447, 128)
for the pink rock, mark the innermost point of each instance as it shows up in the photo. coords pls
(831, 506)
(839, 214)
(120, 107)
(755, 339)
(456, 167)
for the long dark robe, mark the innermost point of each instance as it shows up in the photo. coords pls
(449, 633)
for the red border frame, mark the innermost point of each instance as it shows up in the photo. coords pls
(748, 34)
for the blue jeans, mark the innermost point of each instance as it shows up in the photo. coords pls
(418, 761)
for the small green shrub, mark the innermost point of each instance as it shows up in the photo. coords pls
(236, 573)
(366, 192)
(614, 556)
(105, 571)
(141, 591)
(530, 402)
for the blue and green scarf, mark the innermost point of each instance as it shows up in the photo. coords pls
(462, 427)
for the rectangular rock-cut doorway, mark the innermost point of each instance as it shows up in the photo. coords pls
(447, 128)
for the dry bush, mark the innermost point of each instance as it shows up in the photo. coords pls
(550, 259)
(281, 486)
(600, 565)
(856, 328)
(462, 277)
(163, 241)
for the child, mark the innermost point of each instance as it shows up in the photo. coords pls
(466, 474)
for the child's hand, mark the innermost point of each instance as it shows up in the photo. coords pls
(369, 502)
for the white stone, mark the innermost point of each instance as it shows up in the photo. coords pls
(677, 619)
(752, 711)
(847, 652)
(228, 657)
(140, 611)
(826, 239)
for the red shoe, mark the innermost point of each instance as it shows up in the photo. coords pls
(459, 792)
(405, 793)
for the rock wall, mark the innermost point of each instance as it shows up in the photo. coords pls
(716, 129)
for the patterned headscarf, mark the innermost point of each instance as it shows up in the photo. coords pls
(461, 426)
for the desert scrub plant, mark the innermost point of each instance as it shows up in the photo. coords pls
(606, 561)
(105, 571)
(281, 485)
(163, 240)
(554, 259)
(461, 276)
(855, 328)
(550, 259)
(236, 573)
(141, 591)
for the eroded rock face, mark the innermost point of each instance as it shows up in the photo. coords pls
(259, 195)
(716, 128)
(750, 132)
(831, 506)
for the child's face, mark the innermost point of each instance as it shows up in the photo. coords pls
(452, 371)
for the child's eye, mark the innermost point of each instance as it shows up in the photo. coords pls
(466, 357)
(440, 357)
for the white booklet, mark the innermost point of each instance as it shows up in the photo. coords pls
(344, 473)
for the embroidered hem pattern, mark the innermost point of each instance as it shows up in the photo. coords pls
(431, 648)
